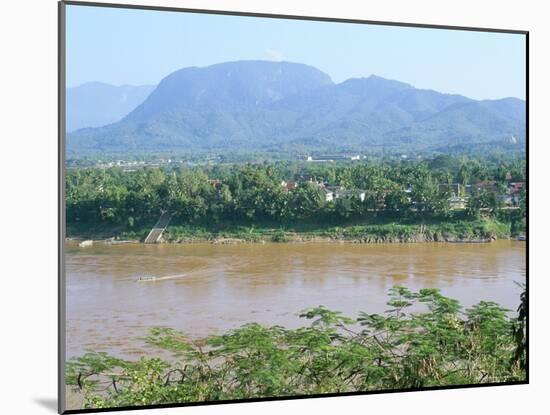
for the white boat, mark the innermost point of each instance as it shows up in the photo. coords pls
(144, 278)
(150, 278)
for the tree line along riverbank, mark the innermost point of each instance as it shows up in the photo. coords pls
(440, 199)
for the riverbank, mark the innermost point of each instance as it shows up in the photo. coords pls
(483, 230)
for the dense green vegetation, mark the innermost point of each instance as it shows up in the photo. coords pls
(423, 340)
(399, 199)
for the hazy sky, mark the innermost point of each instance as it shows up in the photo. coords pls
(124, 46)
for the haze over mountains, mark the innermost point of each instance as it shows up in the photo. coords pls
(270, 106)
(95, 104)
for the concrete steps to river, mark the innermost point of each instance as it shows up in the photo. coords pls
(156, 233)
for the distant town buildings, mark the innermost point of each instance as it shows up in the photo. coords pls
(216, 183)
(339, 192)
(331, 158)
(457, 202)
(329, 195)
(454, 188)
(288, 186)
(487, 185)
(513, 194)
(508, 194)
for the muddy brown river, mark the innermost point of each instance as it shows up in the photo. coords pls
(212, 288)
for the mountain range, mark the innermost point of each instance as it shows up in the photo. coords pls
(271, 106)
(95, 104)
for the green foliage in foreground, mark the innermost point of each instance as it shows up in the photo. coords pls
(438, 344)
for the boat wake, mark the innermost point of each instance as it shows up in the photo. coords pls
(147, 278)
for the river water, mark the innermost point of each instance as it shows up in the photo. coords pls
(218, 287)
